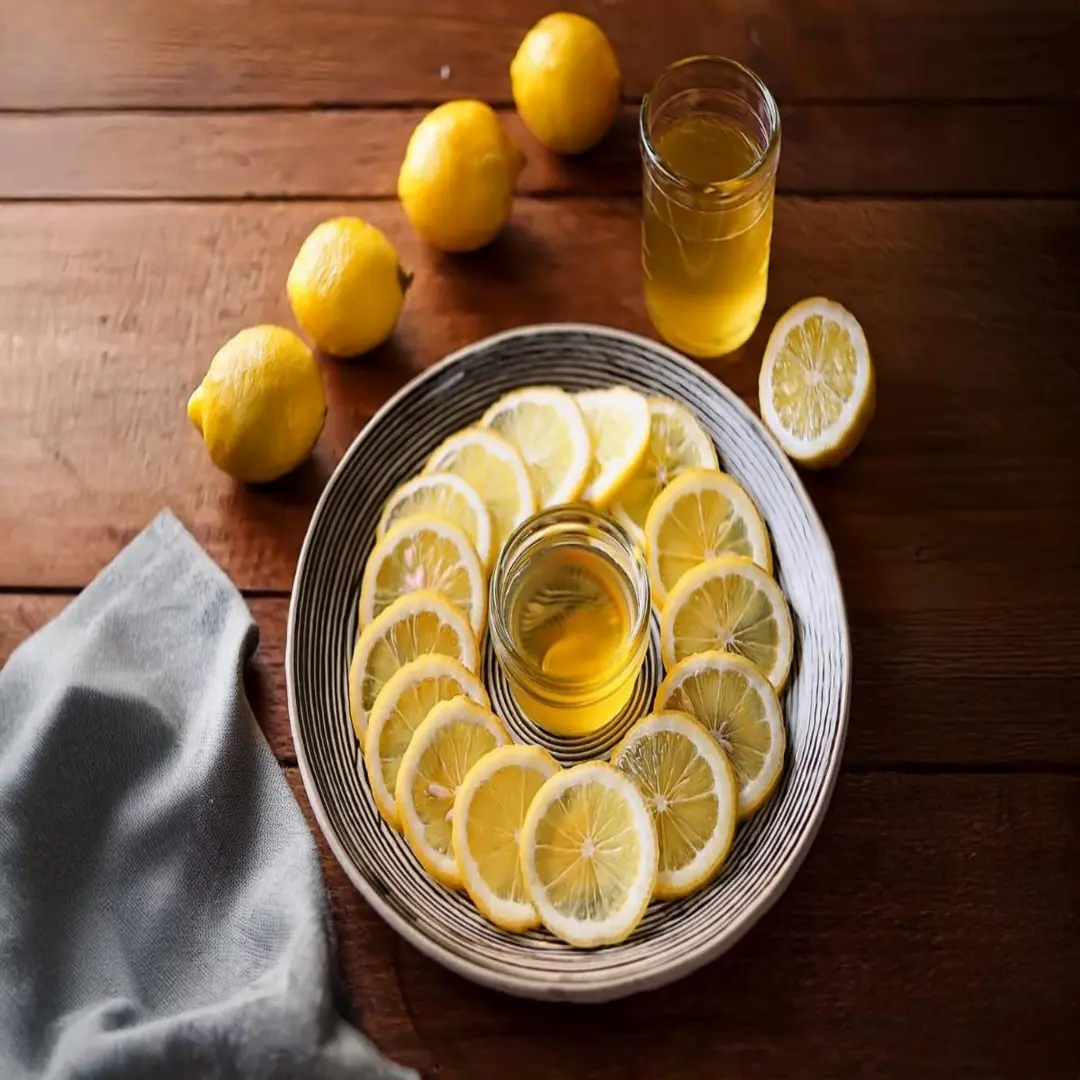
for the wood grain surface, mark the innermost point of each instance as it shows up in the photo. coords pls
(160, 164)
(202, 53)
(829, 149)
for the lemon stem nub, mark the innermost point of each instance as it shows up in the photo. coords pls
(195, 408)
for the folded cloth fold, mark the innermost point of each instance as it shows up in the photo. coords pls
(162, 910)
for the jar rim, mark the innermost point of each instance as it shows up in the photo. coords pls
(520, 544)
(722, 188)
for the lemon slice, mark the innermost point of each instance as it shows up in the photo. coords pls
(546, 428)
(690, 788)
(424, 553)
(489, 811)
(618, 424)
(729, 604)
(701, 514)
(731, 697)
(492, 468)
(589, 855)
(401, 707)
(677, 442)
(817, 385)
(446, 496)
(453, 738)
(421, 623)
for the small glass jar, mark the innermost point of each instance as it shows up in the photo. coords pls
(710, 145)
(569, 618)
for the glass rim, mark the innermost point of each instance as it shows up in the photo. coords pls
(734, 184)
(521, 543)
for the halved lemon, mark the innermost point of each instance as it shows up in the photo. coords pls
(589, 855)
(739, 706)
(618, 424)
(545, 426)
(690, 789)
(424, 552)
(677, 442)
(494, 470)
(423, 622)
(446, 496)
(816, 387)
(401, 707)
(701, 514)
(453, 738)
(489, 811)
(729, 604)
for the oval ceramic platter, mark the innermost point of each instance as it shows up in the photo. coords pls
(674, 938)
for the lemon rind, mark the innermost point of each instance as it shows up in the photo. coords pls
(444, 530)
(582, 933)
(747, 568)
(675, 884)
(572, 482)
(457, 710)
(428, 666)
(500, 448)
(603, 489)
(838, 440)
(483, 539)
(402, 608)
(701, 440)
(687, 483)
(750, 799)
(506, 914)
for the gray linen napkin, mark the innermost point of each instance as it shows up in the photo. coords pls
(162, 910)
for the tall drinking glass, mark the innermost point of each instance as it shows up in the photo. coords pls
(710, 144)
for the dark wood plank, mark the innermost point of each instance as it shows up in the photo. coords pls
(930, 933)
(963, 496)
(985, 689)
(197, 53)
(917, 149)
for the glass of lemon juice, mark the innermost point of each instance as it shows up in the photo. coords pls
(710, 144)
(569, 618)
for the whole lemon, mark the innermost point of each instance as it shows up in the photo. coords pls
(261, 406)
(457, 180)
(566, 82)
(346, 286)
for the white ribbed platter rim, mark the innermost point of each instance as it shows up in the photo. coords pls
(675, 938)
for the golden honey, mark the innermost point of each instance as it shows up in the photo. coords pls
(569, 618)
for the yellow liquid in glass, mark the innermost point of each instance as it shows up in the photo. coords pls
(569, 613)
(706, 267)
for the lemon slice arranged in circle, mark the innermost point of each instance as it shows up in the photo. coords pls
(618, 424)
(589, 855)
(816, 387)
(700, 515)
(690, 789)
(494, 470)
(547, 429)
(739, 706)
(729, 604)
(424, 552)
(448, 497)
(402, 706)
(489, 811)
(677, 442)
(453, 738)
(424, 622)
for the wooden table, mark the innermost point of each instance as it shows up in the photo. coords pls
(161, 162)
